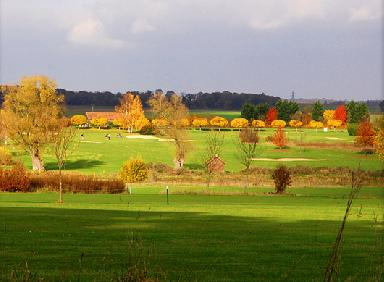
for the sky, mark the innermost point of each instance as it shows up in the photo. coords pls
(317, 48)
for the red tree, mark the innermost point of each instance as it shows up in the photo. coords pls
(272, 115)
(365, 135)
(341, 113)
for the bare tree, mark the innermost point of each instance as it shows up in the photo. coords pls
(246, 149)
(213, 147)
(63, 140)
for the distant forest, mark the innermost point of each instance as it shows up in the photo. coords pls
(217, 100)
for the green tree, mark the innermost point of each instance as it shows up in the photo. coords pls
(317, 111)
(357, 112)
(32, 113)
(247, 111)
(286, 109)
(261, 111)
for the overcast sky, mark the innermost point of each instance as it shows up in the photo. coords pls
(318, 48)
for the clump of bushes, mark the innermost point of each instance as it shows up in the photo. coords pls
(282, 179)
(14, 179)
(147, 129)
(77, 183)
(134, 170)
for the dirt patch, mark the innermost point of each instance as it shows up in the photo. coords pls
(286, 159)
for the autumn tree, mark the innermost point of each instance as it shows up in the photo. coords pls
(78, 120)
(239, 123)
(219, 121)
(271, 115)
(365, 136)
(172, 109)
(32, 113)
(132, 113)
(213, 147)
(341, 113)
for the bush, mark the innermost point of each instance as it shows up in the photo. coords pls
(14, 179)
(147, 129)
(77, 183)
(282, 179)
(279, 138)
(134, 171)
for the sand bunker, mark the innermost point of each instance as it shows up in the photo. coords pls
(151, 137)
(334, 138)
(285, 159)
(93, 142)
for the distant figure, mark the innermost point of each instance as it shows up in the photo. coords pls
(109, 136)
(119, 135)
(82, 136)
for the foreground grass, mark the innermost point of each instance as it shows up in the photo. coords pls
(193, 238)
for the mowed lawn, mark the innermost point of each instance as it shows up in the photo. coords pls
(97, 154)
(193, 238)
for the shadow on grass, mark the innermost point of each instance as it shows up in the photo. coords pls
(90, 244)
(194, 166)
(78, 164)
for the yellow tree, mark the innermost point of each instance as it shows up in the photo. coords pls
(219, 121)
(31, 114)
(78, 120)
(132, 114)
(173, 110)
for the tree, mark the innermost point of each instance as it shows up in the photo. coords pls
(279, 138)
(173, 110)
(199, 122)
(132, 113)
(219, 121)
(382, 106)
(99, 122)
(341, 113)
(328, 115)
(61, 144)
(357, 112)
(247, 111)
(278, 123)
(239, 123)
(213, 147)
(365, 136)
(32, 113)
(133, 171)
(317, 111)
(286, 109)
(295, 123)
(261, 111)
(246, 148)
(258, 123)
(78, 120)
(272, 115)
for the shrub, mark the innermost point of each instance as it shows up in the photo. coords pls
(365, 135)
(279, 138)
(78, 120)
(199, 122)
(147, 129)
(77, 183)
(218, 121)
(14, 179)
(282, 179)
(134, 171)
(352, 129)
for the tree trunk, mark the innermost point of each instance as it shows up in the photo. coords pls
(60, 187)
(37, 163)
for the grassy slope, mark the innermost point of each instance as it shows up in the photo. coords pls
(202, 238)
(107, 155)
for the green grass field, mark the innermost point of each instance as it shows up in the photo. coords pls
(97, 154)
(193, 238)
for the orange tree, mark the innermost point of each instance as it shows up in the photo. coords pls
(341, 113)
(279, 138)
(271, 115)
(365, 136)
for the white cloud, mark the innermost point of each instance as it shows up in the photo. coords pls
(92, 32)
(141, 26)
(364, 14)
